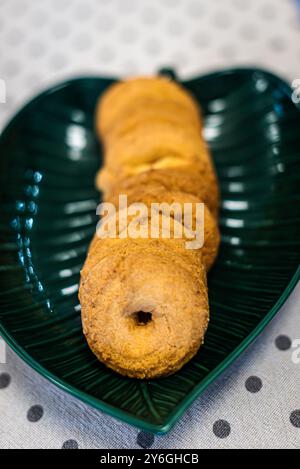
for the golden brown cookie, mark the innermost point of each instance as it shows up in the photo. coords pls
(153, 194)
(137, 316)
(155, 145)
(198, 179)
(122, 96)
(146, 111)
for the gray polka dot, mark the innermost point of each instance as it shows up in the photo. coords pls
(222, 20)
(241, 4)
(152, 47)
(62, 4)
(195, 9)
(36, 49)
(5, 380)
(145, 439)
(38, 18)
(180, 59)
(105, 23)
(170, 3)
(149, 15)
(295, 418)
(15, 37)
(249, 31)
(83, 12)
(228, 51)
(294, 23)
(106, 54)
(268, 11)
(253, 384)
(61, 30)
(11, 68)
(283, 342)
(70, 444)
(201, 39)
(221, 429)
(128, 35)
(18, 8)
(83, 41)
(278, 44)
(175, 28)
(127, 6)
(35, 413)
(57, 61)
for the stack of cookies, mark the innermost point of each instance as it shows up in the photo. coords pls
(144, 300)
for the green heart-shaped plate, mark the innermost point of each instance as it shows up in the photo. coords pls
(49, 155)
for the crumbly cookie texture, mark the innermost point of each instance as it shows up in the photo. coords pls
(145, 300)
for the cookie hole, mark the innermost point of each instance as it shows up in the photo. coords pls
(142, 318)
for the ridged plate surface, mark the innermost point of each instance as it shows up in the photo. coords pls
(49, 156)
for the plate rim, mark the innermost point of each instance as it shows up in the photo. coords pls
(178, 411)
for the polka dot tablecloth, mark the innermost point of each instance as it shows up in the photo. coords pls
(256, 403)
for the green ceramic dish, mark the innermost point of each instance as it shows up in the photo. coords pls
(49, 156)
